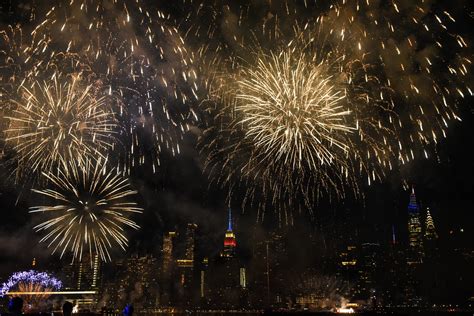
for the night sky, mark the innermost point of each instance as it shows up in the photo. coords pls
(180, 193)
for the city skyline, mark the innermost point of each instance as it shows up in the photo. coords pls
(261, 275)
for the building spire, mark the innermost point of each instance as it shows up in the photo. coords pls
(412, 206)
(430, 229)
(394, 239)
(229, 225)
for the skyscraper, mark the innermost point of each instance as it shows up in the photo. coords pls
(190, 232)
(168, 252)
(138, 282)
(269, 277)
(430, 230)
(86, 276)
(430, 239)
(415, 253)
(83, 275)
(168, 270)
(230, 242)
(347, 262)
(185, 267)
(226, 274)
(415, 236)
(368, 269)
(203, 282)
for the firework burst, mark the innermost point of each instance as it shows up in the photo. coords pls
(309, 108)
(138, 57)
(31, 281)
(293, 111)
(88, 210)
(53, 123)
(142, 60)
(38, 279)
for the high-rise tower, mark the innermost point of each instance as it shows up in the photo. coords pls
(415, 235)
(84, 275)
(168, 252)
(431, 238)
(185, 267)
(415, 253)
(430, 230)
(227, 277)
(230, 242)
(190, 232)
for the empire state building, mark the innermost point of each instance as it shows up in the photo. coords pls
(230, 242)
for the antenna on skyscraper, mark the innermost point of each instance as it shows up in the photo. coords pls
(229, 225)
(394, 240)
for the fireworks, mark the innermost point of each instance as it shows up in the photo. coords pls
(53, 123)
(142, 60)
(41, 279)
(88, 210)
(330, 289)
(31, 281)
(136, 55)
(309, 110)
(304, 99)
(293, 112)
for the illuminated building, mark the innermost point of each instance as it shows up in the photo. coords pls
(143, 278)
(348, 262)
(368, 268)
(430, 230)
(190, 232)
(394, 275)
(112, 286)
(230, 242)
(430, 240)
(429, 280)
(86, 276)
(168, 269)
(269, 274)
(134, 278)
(226, 273)
(185, 267)
(168, 252)
(415, 252)
(348, 265)
(203, 282)
(415, 236)
(243, 278)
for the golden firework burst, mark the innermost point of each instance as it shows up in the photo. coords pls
(88, 209)
(55, 122)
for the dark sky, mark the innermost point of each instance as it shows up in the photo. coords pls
(180, 193)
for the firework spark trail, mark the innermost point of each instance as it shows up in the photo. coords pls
(53, 123)
(409, 57)
(389, 93)
(141, 57)
(88, 210)
(138, 57)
